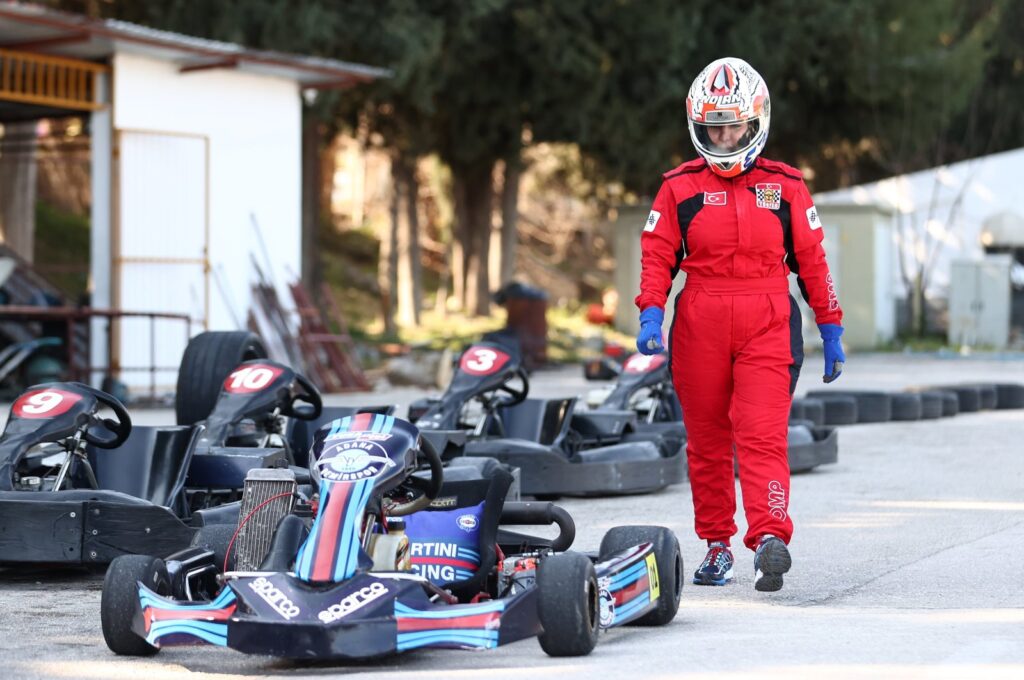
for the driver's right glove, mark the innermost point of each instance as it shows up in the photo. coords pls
(650, 340)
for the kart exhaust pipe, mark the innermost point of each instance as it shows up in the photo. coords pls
(529, 513)
(268, 495)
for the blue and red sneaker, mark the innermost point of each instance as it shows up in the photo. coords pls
(716, 570)
(771, 561)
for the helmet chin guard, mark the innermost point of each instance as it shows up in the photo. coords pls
(728, 113)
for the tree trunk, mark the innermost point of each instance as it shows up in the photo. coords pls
(510, 217)
(474, 194)
(409, 271)
(387, 267)
(18, 188)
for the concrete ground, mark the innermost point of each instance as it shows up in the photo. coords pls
(907, 564)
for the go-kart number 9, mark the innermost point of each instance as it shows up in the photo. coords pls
(251, 378)
(44, 403)
(482, 360)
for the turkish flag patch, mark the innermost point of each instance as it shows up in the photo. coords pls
(714, 198)
(769, 196)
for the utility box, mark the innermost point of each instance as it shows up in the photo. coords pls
(862, 259)
(979, 302)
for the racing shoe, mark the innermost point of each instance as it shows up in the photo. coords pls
(771, 561)
(716, 570)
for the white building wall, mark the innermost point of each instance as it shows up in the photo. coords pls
(253, 126)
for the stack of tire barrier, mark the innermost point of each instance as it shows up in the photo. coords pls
(848, 407)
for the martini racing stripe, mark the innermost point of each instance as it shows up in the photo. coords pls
(630, 574)
(214, 633)
(482, 639)
(451, 612)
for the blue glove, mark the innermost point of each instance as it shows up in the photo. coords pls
(649, 340)
(834, 356)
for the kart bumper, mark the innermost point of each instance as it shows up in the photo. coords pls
(822, 451)
(82, 528)
(631, 468)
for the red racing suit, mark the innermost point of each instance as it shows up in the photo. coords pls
(735, 342)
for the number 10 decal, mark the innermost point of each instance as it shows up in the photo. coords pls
(482, 361)
(251, 378)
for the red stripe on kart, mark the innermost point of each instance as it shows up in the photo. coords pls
(446, 561)
(480, 621)
(361, 422)
(632, 590)
(326, 544)
(150, 614)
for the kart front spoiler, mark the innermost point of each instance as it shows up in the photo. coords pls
(636, 467)
(84, 527)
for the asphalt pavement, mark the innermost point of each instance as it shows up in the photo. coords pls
(908, 563)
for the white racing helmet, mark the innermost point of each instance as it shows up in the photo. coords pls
(728, 92)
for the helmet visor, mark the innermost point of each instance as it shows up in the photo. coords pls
(725, 139)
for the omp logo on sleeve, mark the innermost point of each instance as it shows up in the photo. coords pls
(444, 544)
(652, 220)
(812, 218)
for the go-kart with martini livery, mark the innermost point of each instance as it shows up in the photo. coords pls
(388, 557)
(559, 449)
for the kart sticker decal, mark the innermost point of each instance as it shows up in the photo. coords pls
(45, 403)
(482, 361)
(474, 626)
(629, 584)
(250, 378)
(166, 621)
(444, 543)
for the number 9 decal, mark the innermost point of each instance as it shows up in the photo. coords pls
(482, 361)
(44, 403)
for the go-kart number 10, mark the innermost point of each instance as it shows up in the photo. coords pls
(251, 378)
(44, 403)
(482, 360)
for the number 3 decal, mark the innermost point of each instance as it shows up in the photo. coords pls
(482, 360)
(44, 403)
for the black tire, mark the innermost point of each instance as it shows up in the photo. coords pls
(931, 404)
(120, 599)
(547, 497)
(968, 397)
(872, 407)
(216, 537)
(906, 406)
(987, 396)
(568, 604)
(670, 566)
(1009, 395)
(950, 403)
(811, 409)
(208, 360)
(840, 410)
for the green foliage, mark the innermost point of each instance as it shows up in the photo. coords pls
(62, 249)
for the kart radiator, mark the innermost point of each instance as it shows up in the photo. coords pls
(254, 538)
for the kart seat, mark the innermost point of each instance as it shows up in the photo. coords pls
(463, 507)
(544, 421)
(152, 465)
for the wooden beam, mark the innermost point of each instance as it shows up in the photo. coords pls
(230, 62)
(43, 43)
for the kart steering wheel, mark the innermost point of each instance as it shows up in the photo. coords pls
(427, 489)
(306, 404)
(515, 396)
(118, 429)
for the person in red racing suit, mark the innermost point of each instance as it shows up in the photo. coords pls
(737, 229)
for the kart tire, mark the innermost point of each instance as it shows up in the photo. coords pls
(670, 566)
(808, 409)
(209, 358)
(1009, 395)
(950, 403)
(840, 410)
(931, 404)
(872, 407)
(988, 396)
(120, 599)
(906, 406)
(217, 538)
(568, 604)
(968, 397)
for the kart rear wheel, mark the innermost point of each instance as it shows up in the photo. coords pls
(208, 360)
(120, 599)
(568, 604)
(667, 556)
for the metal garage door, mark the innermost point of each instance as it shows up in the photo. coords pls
(160, 250)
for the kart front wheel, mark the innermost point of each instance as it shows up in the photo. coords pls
(568, 604)
(120, 601)
(670, 566)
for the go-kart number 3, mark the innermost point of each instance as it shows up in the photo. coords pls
(44, 403)
(251, 378)
(482, 361)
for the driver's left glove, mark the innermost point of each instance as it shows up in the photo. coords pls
(834, 355)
